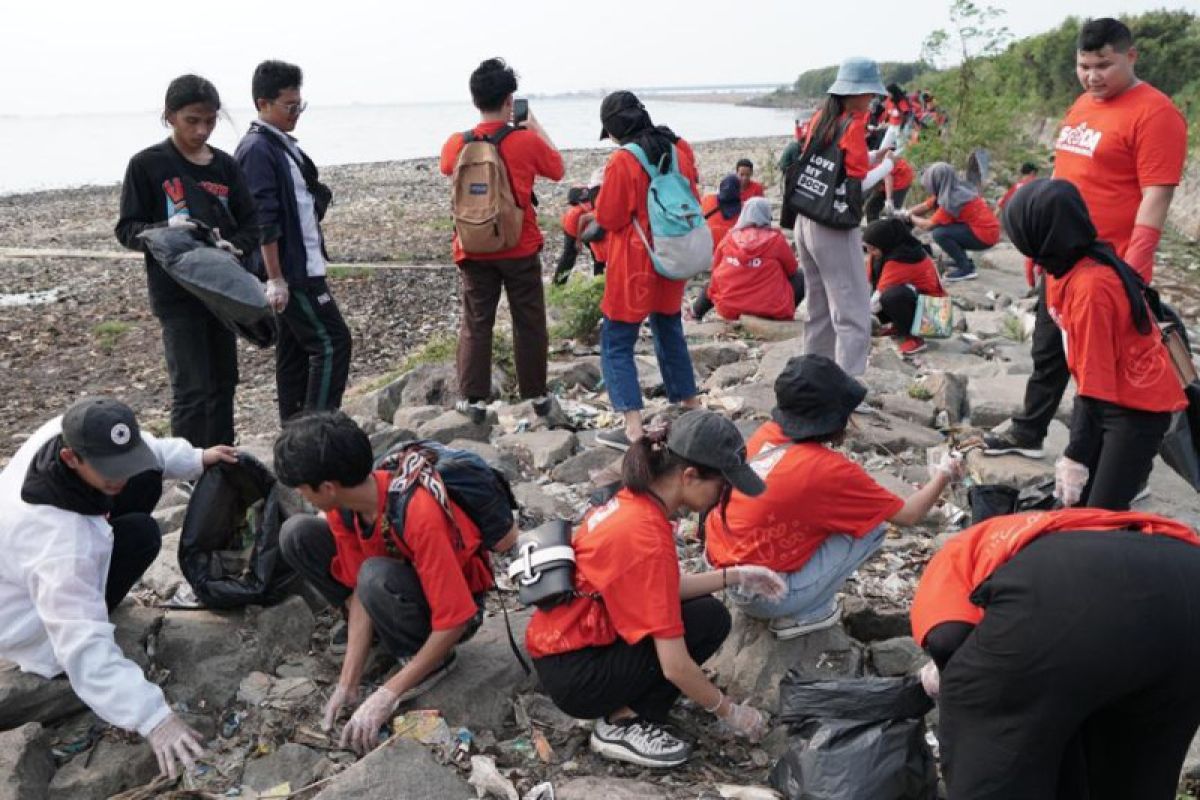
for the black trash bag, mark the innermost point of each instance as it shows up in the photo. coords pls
(989, 500)
(215, 277)
(1180, 448)
(229, 502)
(859, 739)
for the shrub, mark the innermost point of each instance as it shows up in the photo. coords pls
(575, 305)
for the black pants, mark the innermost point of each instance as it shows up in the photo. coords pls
(597, 681)
(388, 588)
(202, 363)
(1079, 682)
(312, 356)
(481, 282)
(1044, 390)
(703, 304)
(136, 536)
(566, 260)
(875, 201)
(1118, 446)
(899, 308)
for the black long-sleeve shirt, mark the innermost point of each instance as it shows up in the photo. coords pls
(154, 190)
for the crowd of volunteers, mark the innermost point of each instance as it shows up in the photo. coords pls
(1060, 640)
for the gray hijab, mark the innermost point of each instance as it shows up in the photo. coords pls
(756, 213)
(940, 180)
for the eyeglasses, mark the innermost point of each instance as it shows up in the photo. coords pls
(293, 109)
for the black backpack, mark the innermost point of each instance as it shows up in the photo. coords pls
(822, 191)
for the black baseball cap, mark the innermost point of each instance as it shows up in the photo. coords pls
(709, 439)
(617, 104)
(105, 434)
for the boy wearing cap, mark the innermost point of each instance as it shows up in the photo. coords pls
(77, 533)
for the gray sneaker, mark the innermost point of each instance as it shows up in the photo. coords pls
(615, 438)
(638, 742)
(999, 444)
(784, 628)
(474, 411)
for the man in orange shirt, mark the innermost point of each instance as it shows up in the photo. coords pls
(745, 175)
(1123, 144)
(527, 153)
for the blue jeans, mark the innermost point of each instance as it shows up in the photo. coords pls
(812, 589)
(617, 340)
(956, 240)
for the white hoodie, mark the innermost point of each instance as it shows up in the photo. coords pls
(52, 612)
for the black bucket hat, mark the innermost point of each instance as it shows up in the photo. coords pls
(814, 397)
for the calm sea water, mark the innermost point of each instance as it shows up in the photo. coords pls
(62, 151)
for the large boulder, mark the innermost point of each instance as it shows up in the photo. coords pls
(889, 433)
(25, 697)
(582, 373)
(400, 770)
(580, 467)
(504, 462)
(775, 357)
(995, 399)
(164, 576)
(451, 425)
(134, 626)
(898, 656)
(26, 765)
(710, 355)
(112, 768)
(541, 450)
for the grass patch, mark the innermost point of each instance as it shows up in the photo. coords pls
(444, 224)
(108, 333)
(348, 272)
(1013, 328)
(576, 307)
(918, 391)
(437, 348)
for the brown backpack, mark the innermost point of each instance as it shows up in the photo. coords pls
(487, 217)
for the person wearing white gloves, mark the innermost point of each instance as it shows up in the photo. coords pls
(634, 636)
(821, 515)
(76, 531)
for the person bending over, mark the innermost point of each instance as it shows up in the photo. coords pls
(900, 270)
(957, 217)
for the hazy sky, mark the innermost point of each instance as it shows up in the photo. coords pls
(58, 57)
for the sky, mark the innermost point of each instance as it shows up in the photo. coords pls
(93, 57)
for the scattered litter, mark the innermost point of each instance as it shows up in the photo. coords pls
(282, 790)
(488, 781)
(184, 597)
(425, 726)
(543, 791)
(542, 746)
(747, 792)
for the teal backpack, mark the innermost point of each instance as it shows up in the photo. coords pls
(683, 245)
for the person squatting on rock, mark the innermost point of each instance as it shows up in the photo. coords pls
(420, 589)
(1066, 647)
(1127, 388)
(821, 515)
(172, 183)
(900, 270)
(839, 314)
(527, 153)
(633, 291)
(1123, 144)
(754, 271)
(633, 638)
(312, 354)
(722, 207)
(581, 231)
(956, 217)
(76, 533)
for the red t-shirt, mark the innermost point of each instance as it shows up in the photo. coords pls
(970, 557)
(625, 552)
(853, 143)
(922, 275)
(1107, 356)
(1113, 149)
(750, 275)
(527, 157)
(812, 493)
(902, 174)
(715, 219)
(450, 577)
(753, 189)
(570, 219)
(978, 217)
(1013, 190)
(632, 289)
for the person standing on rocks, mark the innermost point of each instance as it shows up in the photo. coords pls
(419, 589)
(821, 515)
(633, 291)
(312, 354)
(1123, 144)
(900, 271)
(635, 634)
(956, 217)
(526, 153)
(173, 183)
(77, 534)
(1127, 387)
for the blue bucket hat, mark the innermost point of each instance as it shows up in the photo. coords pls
(858, 76)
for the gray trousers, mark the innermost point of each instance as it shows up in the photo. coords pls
(839, 296)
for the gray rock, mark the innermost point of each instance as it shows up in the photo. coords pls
(919, 412)
(501, 461)
(25, 697)
(887, 359)
(867, 623)
(987, 323)
(882, 381)
(771, 330)
(1191, 762)
(164, 576)
(730, 374)
(539, 505)
(429, 385)
(114, 767)
(595, 787)
(711, 355)
(950, 395)
(582, 373)
(579, 467)
(26, 765)
(542, 450)
(294, 763)
(134, 626)
(401, 770)
(410, 418)
(775, 357)
(170, 518)
(994, 400)
(892, 434)
(451, 425)
(708, 329)
(756, 399)
(898, 656)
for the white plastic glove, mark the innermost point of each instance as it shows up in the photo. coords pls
(174, 739)
(876, 303)
(931, 679)
(889, 208)
(950, 465)
(342, 697)
(743, 720)
(903, 215)
(1069, 479)
(180, 221)
(757, 581)
(362, 731)
(277, 294)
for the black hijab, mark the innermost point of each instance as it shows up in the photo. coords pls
(1048, 221)
(895, 239)
(626, 120)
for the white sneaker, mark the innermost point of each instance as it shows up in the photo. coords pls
(785, 628)
(638, 742)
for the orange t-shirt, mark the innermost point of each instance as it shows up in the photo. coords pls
(1107, 356)
(632, 289)
(1013, 190)
(527, 157)
(753, 189)
(449, 576)
(978, 217)
(970, 557)
(715, 219)
(1113, 149)
(853, 143)
(922, 275)
(902, 174)
(570, 219)
(625, 553)
(812, 493)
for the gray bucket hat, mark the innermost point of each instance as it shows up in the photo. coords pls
(858, 76)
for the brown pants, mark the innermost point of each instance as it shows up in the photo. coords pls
(481, 282)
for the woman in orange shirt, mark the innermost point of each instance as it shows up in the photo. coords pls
(900, 270)
(1126, 386)
(721, 208)
(960, 218)
(637, 630)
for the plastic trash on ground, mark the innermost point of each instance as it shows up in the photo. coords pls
(488, 781)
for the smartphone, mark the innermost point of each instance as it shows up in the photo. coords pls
(520, 110)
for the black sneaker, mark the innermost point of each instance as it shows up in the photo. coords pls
(548, 409)
(1000, 444)
(430, 680)
(638, 742)
(475, 411)
(615, 438)
(957, 274)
